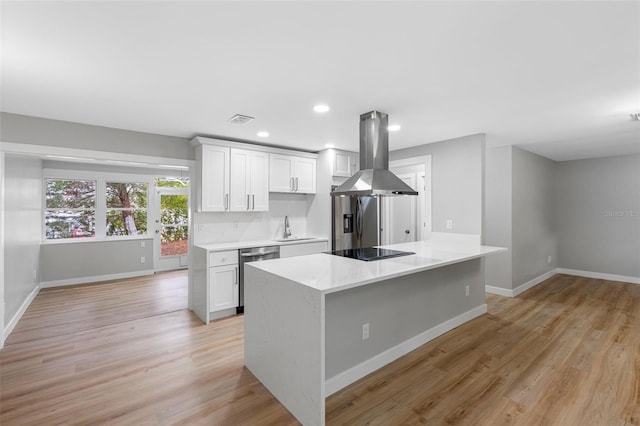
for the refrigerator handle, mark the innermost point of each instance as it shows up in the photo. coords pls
(358, 218)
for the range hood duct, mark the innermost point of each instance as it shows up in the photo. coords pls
(374, 177)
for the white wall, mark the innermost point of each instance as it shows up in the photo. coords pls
(23, 227)
(599, 215)
(457, 171)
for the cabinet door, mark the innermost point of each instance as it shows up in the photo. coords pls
(280, 173)
(344, 163)
(223, 287)
(239, 181)
(305, 175)
(259, 185)
(215, 179)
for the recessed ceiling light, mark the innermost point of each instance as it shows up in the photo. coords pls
(329, 145)
(393, 128)
(321, 108)
(263, 134)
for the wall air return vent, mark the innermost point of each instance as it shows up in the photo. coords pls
(240, 119)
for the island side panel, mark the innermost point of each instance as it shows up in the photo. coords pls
(200, 284)
(284, 342)
(403, 313)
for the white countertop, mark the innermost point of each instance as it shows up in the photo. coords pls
(256, 243)
(328, 273)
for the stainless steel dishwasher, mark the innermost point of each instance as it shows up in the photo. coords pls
(252, 255)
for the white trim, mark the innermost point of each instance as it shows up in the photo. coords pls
(357, 372)
(91, 155)
(95, 278)
(599, 275)
(498, 290)
(201, 140)
(534, 282)
(14, 321)
(521, 288)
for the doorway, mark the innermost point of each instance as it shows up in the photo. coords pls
(171, 234)
(408, 219)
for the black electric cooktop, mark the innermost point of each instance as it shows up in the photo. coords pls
(370, 253)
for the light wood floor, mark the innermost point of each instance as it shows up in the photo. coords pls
(566, 352)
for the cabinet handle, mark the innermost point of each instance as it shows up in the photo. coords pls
(247, 201)
(296, 184)
(291, 184)
(237, 279)
(253, 198)
(226, 201)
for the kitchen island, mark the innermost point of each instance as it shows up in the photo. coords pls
(315, 324)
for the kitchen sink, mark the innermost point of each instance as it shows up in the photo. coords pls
(284, 240)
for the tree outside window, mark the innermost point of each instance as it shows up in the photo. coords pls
(70, 208)
(126, 208)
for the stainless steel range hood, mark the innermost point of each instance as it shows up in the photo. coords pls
(374, 177)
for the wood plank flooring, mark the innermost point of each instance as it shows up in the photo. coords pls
(566, 352)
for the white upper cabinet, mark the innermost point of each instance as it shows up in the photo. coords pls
(344, 163)
(233, 179)
(289, 173)
(213, 170)
(249, 190)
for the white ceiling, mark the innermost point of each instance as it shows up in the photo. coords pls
(558, 78)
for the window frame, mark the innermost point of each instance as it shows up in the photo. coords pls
(45, 208)
(101, 179)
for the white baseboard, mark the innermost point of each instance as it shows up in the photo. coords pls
(14, 321)
(599, 275)
(534, 282)
(357, 372)
(498, 290)
(95, 278)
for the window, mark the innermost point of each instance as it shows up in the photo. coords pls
(126, 208)
(70, 208)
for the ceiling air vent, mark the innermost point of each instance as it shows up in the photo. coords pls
(240, 119)
(635, 116)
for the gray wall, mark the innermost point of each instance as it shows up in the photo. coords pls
(520, 214)
(457, 173)
(534, 216)
(74, 260)
(396, 311)
(23, 227)
(40, 131)
(498, 214)
(599, 215)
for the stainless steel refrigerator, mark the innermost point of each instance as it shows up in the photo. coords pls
(356, 222)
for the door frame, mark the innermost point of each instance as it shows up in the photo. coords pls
(424, 197)
(169, 263)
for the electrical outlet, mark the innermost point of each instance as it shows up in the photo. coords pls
(548, 259)
(365, 331)
(143, 244)
(449, 224)
(142, 259)
(35, 275)
(466, 291)
(235, 225)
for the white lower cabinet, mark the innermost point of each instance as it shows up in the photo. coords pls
(223, 280)
(290, 250)
(223, 287)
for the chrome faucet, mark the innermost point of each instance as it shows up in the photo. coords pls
(287, 230)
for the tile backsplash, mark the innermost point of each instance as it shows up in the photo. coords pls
(225, 227)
